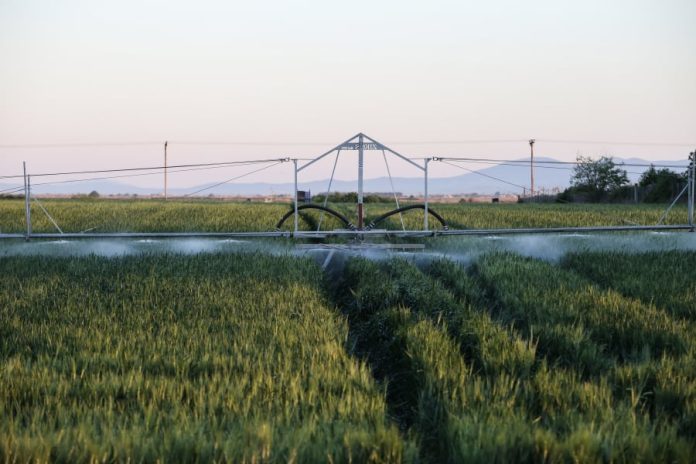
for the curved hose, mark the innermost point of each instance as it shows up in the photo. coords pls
(332, 212)
(381, 218)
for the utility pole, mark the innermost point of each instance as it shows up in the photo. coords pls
(165, 170)
(531, 165)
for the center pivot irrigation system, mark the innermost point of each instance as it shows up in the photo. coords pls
(362, 144)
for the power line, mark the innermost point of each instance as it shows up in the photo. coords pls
(512, 164)
(499, 162)
(103, 171)
(240, 143)
(555, 141)
(250, 143)
(319, 143)
(403, 142)
(180, 142)
(485, 175)
(77, 144)
(520, 165)
(88, 179)
(204, 166)
(473, 160)
(231, 179)
(17, 189)
(12, 190)
(605, 142)
(174, 171)
(460, 142)
(571, 163)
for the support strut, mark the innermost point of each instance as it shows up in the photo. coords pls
(430, 211)
(330, 211)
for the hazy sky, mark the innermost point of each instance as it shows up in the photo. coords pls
(320, 71)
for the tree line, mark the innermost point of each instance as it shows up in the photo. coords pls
(604, 180)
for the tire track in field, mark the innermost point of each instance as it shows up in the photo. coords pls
(457, 379)
(403, 352)
(663, 279)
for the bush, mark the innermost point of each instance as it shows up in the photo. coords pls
(662, 185)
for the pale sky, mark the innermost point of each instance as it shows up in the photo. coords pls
(320, 71)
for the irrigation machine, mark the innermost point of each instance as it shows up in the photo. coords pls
(356, 229)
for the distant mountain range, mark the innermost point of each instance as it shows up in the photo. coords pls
(495, 179)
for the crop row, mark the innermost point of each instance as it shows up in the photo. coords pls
(575, 322)
(471, 386)
(213, 357)
(248, 357)
(218, 216)
(665, 278)
(646, 354)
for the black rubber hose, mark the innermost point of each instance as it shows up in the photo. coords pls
(332, 212)
(381, 218)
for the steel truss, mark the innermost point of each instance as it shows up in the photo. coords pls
(360, 142)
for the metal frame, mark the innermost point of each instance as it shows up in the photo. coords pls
(357, 234)
(27, 194)
(692, 187)
(360, 145)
